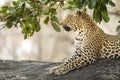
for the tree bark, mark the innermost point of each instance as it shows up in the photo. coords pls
(36, 70)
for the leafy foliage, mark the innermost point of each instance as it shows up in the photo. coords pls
(27, 13)
(99, 8)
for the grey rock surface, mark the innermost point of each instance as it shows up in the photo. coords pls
(36, 70)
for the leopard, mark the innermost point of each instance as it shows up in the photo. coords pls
(91, 43)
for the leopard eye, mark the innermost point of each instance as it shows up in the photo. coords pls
(67, 28)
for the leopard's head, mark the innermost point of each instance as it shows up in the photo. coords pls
(75, 21)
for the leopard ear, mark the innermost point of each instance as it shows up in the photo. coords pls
(78, 13)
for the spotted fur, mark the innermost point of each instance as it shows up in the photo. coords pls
(91, 43)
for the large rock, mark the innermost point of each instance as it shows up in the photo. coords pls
(36, 70)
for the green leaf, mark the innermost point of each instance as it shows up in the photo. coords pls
(92, 4)
(70, 8)
(118, 28)
(37, 28)
(81, 3)
(4, 9)
(40, 9)
(11, 10)
(36, 25)
(46, 20)
(11, 18)
(8, 24)
(105, 13)
(105, 16)
(111, 3)
(32, 32)
(15, 4)
(23, 6)
(62, 4)
(97, 16)
(56, 27)
(50, 10)
(55, 23)
(55, 19)
(25, 36)
(97, 6)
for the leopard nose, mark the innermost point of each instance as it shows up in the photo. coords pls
(67, 28)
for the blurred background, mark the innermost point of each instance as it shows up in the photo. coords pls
(47, 45)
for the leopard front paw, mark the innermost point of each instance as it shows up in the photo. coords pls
(58, 70)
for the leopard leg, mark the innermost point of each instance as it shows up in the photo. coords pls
(76, 61)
